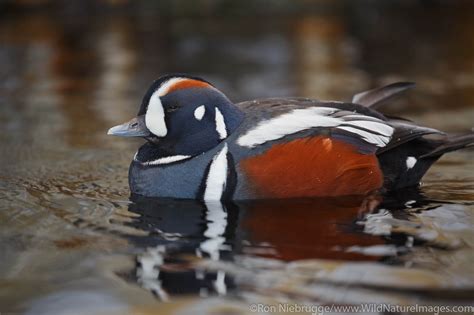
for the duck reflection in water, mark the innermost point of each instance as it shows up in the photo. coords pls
(180, 231)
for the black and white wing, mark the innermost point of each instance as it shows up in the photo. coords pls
(280, 118)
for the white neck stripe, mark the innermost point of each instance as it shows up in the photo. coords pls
(164, 160)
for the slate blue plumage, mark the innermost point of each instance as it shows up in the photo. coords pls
(207, 144)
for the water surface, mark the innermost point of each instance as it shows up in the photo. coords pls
(72, 239)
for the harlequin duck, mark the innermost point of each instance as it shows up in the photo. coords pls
(200, 145)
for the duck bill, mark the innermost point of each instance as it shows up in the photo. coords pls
(133, 128)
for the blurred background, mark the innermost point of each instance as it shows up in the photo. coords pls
(69, 70)
(82, 66)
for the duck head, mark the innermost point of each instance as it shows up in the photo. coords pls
(182, 115)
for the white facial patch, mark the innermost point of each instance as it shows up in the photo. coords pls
(199, 112)
(217, 176)
(155, 116)
(220, 125)
(370, 129)
(411, 161)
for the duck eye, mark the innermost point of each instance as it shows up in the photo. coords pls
(172, 107)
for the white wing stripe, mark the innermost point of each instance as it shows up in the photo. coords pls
(362, 117)
(380, 128)
(303, 119)
(379, 141)
(293, 122)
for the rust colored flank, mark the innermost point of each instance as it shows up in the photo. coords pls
(313, 166)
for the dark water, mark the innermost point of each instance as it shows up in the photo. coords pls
(72, 240)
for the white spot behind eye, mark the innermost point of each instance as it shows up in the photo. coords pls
(199, 112)
(155, 116)
(411, 161)
(220, 125)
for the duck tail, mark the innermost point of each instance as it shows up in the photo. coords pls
(405, 165)
(451, 143)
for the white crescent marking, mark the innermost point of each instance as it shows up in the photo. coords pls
(155, 116)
